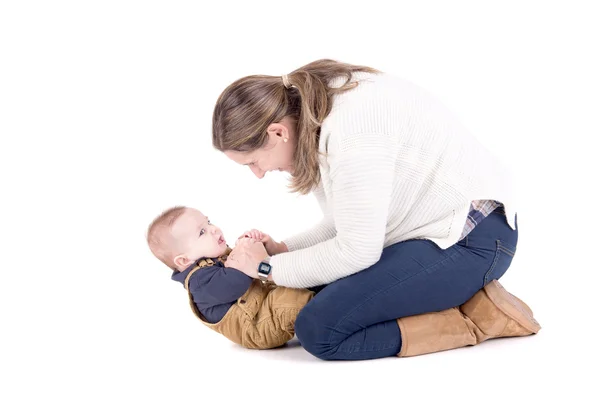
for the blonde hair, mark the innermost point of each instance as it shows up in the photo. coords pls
(248, 106)
(158, 232)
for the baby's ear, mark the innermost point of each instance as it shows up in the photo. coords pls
(181, 262)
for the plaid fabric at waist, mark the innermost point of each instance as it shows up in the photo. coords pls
(477, 212)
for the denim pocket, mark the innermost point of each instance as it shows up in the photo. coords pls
(502, 259)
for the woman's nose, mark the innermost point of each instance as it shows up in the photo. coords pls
(258, 172)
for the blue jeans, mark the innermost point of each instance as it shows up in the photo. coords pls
(354, 318)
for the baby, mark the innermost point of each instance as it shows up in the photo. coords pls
(247, 311)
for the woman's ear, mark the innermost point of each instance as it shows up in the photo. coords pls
(278, 131)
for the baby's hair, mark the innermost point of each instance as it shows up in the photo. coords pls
(157, 234)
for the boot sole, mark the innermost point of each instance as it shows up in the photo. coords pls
(511, 306)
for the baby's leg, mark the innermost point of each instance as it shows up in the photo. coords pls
(273, 325)
(285, 304)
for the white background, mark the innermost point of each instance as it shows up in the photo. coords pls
(105, 118)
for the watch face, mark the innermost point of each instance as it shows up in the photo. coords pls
(264, 268)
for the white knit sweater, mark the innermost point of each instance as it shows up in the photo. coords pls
(399, 166)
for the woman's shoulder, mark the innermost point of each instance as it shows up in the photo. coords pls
(380, 104)
(374, 106)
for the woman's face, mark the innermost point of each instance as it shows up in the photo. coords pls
(276, 155)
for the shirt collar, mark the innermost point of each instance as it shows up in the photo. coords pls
(180, 276)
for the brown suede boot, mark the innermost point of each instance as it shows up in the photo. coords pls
(491, 313)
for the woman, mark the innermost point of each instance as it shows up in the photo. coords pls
(419, 219)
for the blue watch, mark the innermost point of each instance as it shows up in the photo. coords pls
(264, 269)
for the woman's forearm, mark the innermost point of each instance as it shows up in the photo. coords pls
(321, 232)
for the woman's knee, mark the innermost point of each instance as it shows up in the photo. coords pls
(312, 333)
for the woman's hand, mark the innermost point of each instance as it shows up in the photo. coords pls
(246, 255)
(271, 245)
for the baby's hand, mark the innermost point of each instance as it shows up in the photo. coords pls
(244, 239)
(271, 245)
(254, 234)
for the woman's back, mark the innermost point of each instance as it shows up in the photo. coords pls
(438, 167)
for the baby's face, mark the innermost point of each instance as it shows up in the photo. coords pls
(196, 237)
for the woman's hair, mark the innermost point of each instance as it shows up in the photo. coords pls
(248, 106)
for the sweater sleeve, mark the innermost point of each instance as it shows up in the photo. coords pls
(321, 232)
(362, 175)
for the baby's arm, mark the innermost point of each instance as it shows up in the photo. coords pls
(224, 285)
(216, 289)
